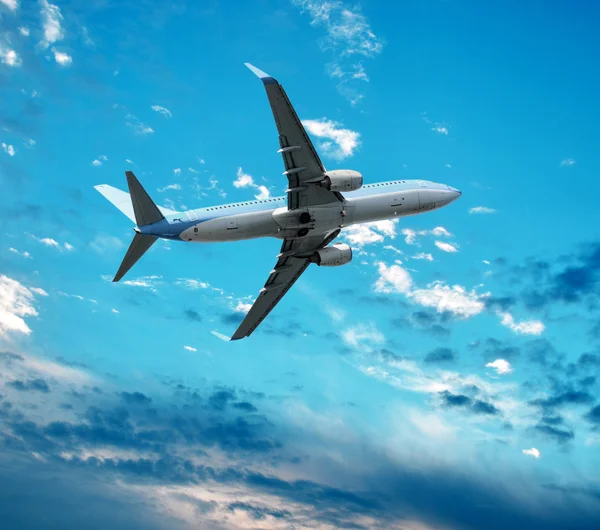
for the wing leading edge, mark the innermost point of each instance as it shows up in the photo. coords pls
(292, 261)
(301, 161)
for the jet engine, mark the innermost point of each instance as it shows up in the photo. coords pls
(343, 180)
(333, 256)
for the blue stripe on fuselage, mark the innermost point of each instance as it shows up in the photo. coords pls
(174, 224)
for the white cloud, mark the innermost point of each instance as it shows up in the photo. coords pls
(137, 126)
(423, 255)
(51, 19)
(189, 348)
(38, 290)
(96, 163)
(24, 31)
(531, 452)
(439, 231)
(361, 334)
(410, 236)
(446, 247)
(528, 327)
(11, 4)
(64, 59)
(8, 149)
(339, 143)
(127, 161)
(393, 279)
(16, 302)
(23, 254)
(482, 209)
(431, 425)
(177, 170)
(104, 243)
(242, 307)
(162, 110)
(9, 57)
(115, 311)
(68, 246)
(449, 166)
(454, 299)
(170, 187)
(49, 242)
(485, 261)
(567, 162)
(440, 129)
(191, 283)
(367, 233)
(244, 180)
(501, 366)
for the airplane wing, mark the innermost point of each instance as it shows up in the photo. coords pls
(292, 261)
(301, 161)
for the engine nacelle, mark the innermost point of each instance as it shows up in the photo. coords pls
(333, 256)
(343, 180)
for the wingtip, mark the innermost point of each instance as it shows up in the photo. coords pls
(263, 76)
(224, 338)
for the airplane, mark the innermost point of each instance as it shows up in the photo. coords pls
(317, 206)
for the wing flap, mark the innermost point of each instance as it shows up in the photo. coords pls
(287, 270)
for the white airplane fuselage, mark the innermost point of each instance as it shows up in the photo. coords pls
(270, 217)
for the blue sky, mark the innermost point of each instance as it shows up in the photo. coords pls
(446, 379)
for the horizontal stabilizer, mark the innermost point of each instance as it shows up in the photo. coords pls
(140, 244)
(122, 200)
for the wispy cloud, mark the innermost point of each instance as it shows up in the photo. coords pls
(24, 31)
(22, 254)
(51, 23)
(529, 327)
(175, 187)
(98, 161)
(482, 209)
(446, 247)
(423, 255)
(501, 366)
(50, 242)
(338, 143)
(162, 110)
(137, 126)
(349, 39)
(362, 335)
(567, 162)
(244, 180)
(189, 348)
(8, 149)
(438, 127)
(410, 236)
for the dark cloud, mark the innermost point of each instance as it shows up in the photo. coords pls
(476, 406)
(559, 435)
(220, 398)
(430, 322)
(502, 303)
(441, 355)
(258, 513)
(246, 406)
(232, 318)
(38, 385)
(135, 398)
(492, 349)
(594, 415)
(193, 315)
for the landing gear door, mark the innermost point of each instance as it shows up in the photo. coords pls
(348, 213)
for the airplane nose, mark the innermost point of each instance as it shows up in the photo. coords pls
(457, 193)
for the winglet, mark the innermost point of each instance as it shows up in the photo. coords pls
(266, 78)
(221, 336)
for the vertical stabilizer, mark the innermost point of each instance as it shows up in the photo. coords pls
(140, 244)
(144, 209)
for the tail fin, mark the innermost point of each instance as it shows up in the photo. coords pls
(144, 209)
(140, 244)
(139, 207)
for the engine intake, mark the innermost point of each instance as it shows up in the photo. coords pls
(343, 180)
(333, 256)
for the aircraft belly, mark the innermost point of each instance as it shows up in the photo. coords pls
(381, 207)
(232, 228)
